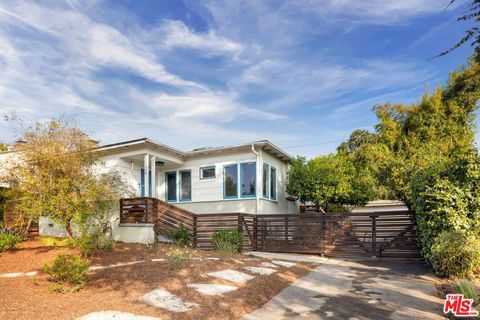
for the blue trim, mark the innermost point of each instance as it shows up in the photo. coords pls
(207, 167)
(166, 186)
(254, 177)
(142, 182)
(223, 183)
(266, 181)
(275, 181)
(180, 182)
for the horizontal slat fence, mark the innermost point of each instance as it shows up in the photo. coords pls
(380, 234)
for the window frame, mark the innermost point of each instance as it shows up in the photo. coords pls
(275, 181)
(225, 197)
(241, 180)
(200, 172)
(266, 182)
(180, 182)
(176, 186)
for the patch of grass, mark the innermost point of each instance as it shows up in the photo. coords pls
(467, 288)
(67, 270)
(180, 235)
(178, 257)
(52, 241)
(227, 242)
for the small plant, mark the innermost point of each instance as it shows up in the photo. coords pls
(180, 235)
(8, 240)
(178, 257)
(467, 288)
(90, 241)
(227, 242)
(67, 269)
(455, 253)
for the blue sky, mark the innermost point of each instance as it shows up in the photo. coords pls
(303, 74)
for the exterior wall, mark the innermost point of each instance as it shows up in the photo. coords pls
(381, 206)
(130, 173)
(134, 233)
(224, 206)
(281, 205)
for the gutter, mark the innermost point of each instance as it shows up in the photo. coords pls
(257, 189)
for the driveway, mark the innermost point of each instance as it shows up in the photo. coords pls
(342, 289)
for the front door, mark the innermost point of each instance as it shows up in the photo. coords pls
(171, 186)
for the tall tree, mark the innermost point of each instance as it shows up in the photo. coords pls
(57, 176)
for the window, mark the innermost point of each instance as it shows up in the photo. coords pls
(186, 185)
(248, 179)
(230, 181)
(171, 183)
(142, 183)
(273, 183)
(266, 172)
(207, 173)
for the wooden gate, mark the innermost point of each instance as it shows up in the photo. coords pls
(379, 234)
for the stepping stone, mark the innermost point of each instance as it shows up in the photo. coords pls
(18, 274)
(213, 258)
(158, 260)
(211, 289)
(231, 275)
(283, 263)
(114, 315)
(269, 265)
(121, 264)
(162, 299)
(259, 270)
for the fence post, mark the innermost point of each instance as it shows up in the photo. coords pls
(374, 236)
(322, 236)
(194, 227)
(286, 229)
(255, 233)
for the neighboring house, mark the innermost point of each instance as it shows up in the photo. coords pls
(381, 206)
(248, 178)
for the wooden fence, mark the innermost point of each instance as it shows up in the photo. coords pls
(380, 234)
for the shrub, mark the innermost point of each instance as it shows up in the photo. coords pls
(67, 269)
(90, 241)
(180, 235)
(178, 257)
(8, 240)
(455, 253)
(466, 288)
(227, 242)
(52, 241)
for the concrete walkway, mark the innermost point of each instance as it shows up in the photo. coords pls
(340, 289)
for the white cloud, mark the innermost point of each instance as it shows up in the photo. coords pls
(178, 35)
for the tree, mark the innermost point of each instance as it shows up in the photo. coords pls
(327, 181)
(472, 34)
(3, 147)
(58, 176)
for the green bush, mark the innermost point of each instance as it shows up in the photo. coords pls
(227, 242)
(67, 269)
(8, 240)
(466, 288)
(93, 240)
(180, 235)
(178, 257)
(455, 253)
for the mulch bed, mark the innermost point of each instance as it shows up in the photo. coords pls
(120, 288)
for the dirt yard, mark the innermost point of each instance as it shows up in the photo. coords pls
(120, 288)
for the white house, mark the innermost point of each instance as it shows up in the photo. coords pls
(248, 178)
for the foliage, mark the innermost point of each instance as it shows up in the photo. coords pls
(90, 240)
(56, 176)
(178, 257)
(52, 241)
(180, 235)
(467, 288)
(3, 198)
(67, 269)
(455, 253)
(446, 198)
(473, 33)
(3, 147)
(227, 242)
(329, 180)
(8, 240)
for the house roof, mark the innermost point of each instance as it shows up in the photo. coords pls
(263, 144)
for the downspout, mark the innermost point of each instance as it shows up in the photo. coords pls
(257, 189)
